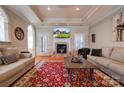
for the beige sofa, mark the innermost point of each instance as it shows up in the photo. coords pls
(11, 72)
(111, 63)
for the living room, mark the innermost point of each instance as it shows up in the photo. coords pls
(37, 40)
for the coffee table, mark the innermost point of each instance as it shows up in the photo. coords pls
(84, 66)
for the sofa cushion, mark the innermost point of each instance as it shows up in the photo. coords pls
(106, 52)
(118, 54)
(105, 61)
(96, 52)
(117, 67)
(7, 71)
(10, 51)
(8, 59)
(93, 58)
(27, 61)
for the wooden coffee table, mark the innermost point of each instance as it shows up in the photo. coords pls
(84, 66)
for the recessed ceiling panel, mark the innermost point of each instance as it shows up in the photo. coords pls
(63, 11)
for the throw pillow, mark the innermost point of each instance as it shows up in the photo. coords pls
(25, 52)
(9, 59)
(1, 54)
(25, 55)
(1, 62)
(11, 51)
(96, 52)
(0, 58)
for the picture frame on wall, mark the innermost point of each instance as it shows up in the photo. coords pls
(19, 33)
(118, 27)
(93, 38)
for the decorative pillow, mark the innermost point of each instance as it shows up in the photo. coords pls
(25, 55)
(96, 52)
(25, 52)
(118, 54)
(1, 54)
(1, 62)
(9, 59)
(11, 51)
(0, 58)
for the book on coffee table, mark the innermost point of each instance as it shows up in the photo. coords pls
(76, 60)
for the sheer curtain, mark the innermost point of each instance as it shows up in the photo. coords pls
(79, 41)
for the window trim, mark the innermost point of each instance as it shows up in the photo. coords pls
(7, 26)
(5, 42)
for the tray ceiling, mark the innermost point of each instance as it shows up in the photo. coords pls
(64, 14)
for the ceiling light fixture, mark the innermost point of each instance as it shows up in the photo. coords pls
(77, 9)
(48, 8)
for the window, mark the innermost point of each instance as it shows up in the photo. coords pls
(31, 39)
(3, 26)
(43, 43)
(79, 41)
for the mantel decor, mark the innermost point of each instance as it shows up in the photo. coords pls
(19, 33)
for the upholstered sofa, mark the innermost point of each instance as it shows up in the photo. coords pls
(111, 62)
(11, 72)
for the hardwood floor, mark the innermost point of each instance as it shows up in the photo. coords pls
(48, 59)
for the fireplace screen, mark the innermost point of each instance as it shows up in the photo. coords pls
(61, 48)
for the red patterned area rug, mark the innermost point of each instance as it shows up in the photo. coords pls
(54, 74)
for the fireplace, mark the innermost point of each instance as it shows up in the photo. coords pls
(61, 48)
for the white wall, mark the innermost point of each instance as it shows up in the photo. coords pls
(103, 31)
(15, 21)
(48, 30)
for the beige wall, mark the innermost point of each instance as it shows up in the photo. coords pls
(103, 31)
(48, 30)
(15, 21)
